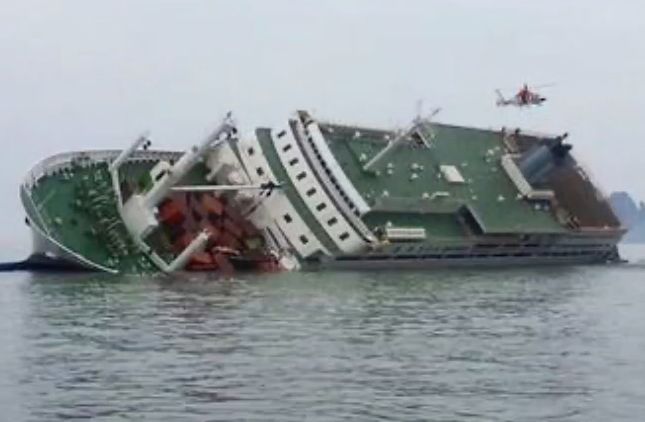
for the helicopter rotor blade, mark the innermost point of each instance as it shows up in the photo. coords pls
(531, 87)
(549, 85)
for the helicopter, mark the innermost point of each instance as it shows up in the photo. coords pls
(525, 97)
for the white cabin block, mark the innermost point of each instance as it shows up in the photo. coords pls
(276, 211)
(160, 170)
(138, 217)
(320, 205)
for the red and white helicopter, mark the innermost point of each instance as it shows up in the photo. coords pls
(525, 97)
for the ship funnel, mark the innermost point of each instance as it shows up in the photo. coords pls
(539, 160)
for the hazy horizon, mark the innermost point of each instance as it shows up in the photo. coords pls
(95, 74)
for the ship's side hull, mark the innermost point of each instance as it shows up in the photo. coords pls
(48, 245)
(367, 262)
(56, 255)
(48, 252)
(51, 255)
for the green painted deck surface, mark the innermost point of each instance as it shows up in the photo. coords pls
(79, 209)
(489, 191)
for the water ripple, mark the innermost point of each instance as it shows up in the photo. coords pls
(556, 345)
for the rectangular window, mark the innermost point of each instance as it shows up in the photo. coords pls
(259, 171)
(301, 175)
(282, 133)
(293, 162)
(343, 236)
(321, 206)
(332, 221)
(251, 151)
(288, 218)
(311, 191)
(304, 239)
(286, 148)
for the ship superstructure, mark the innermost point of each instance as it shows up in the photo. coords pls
(321, 195)
(431, 194)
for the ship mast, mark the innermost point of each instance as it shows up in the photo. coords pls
(414, 128)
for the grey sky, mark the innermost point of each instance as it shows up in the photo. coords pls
(93, 74)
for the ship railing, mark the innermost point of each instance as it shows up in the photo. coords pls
(599, 190)
(533, 133)
(58, 161)
(583, 169)
(484, 248)
(63, 160)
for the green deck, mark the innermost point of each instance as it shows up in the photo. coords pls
(78, 207)
(488, 191)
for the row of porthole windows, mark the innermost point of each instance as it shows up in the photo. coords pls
(302, 175)
(299, 176)
(351, 205)
(260, 171)
(331, 222)
(304, 240)
(320, 207)
(420, 249)
(469, 256)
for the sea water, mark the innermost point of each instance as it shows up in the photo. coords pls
(533, 344)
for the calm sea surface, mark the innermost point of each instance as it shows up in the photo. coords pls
(512, 345)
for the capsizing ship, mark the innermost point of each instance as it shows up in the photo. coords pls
(311, 194)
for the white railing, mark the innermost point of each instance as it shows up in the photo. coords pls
(327, 158)
(63, 160)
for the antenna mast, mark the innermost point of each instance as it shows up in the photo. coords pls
(414, 128)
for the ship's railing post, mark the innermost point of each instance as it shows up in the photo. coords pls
(128, 151)
(197, 245)
(415, 126)
(187, 161)
(160, 189)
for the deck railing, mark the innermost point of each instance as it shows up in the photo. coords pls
(63, 160)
